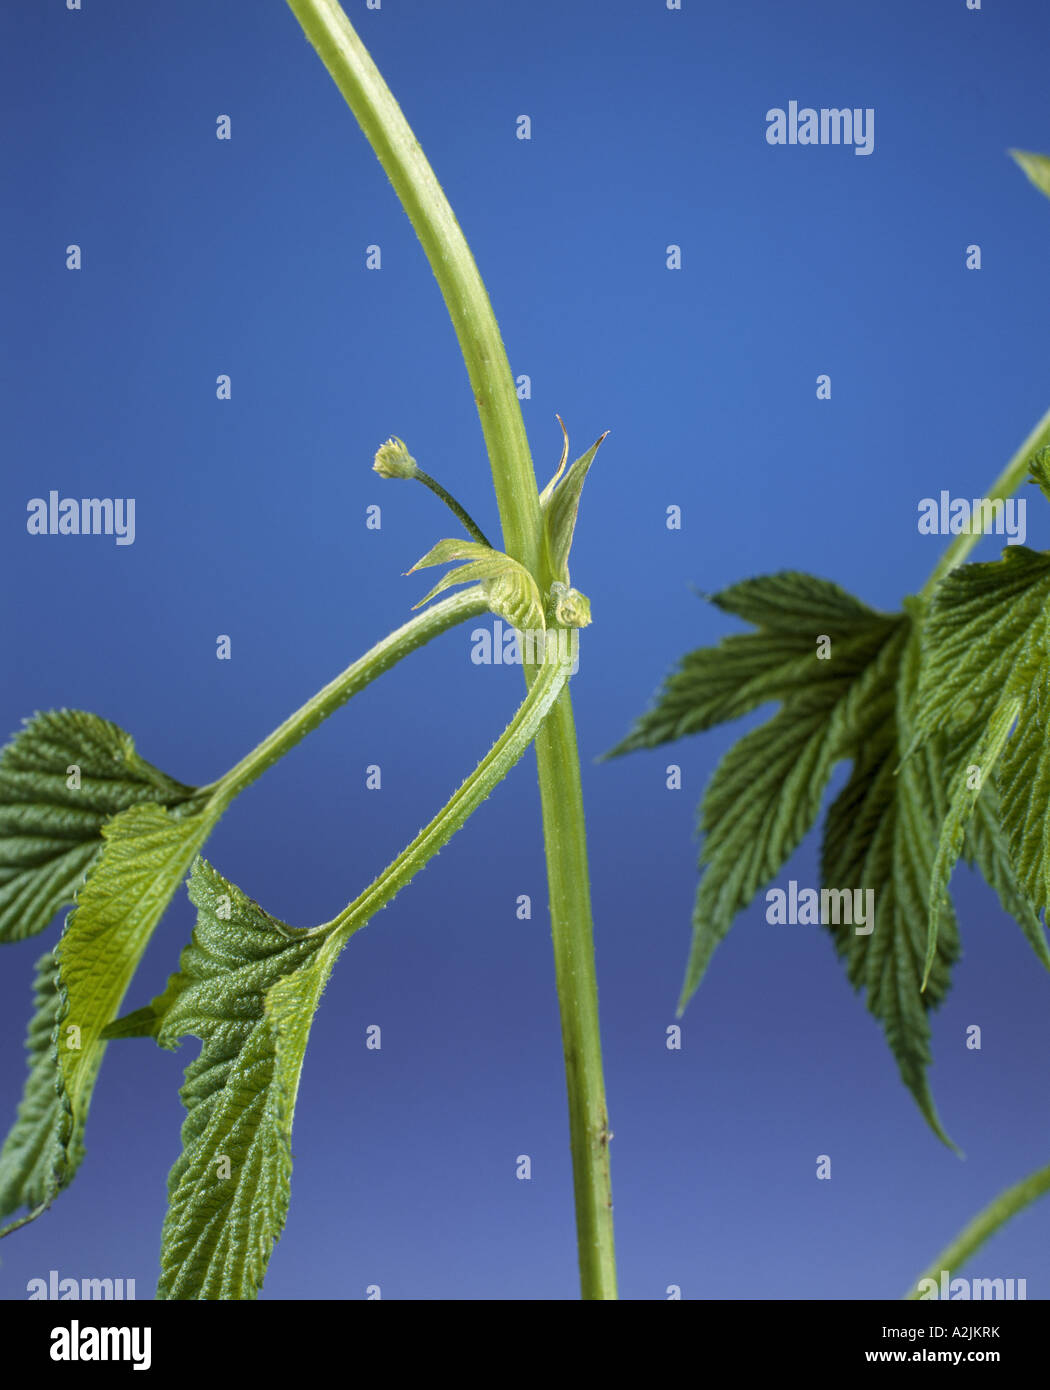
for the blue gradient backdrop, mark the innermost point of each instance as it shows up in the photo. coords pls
(248, 257)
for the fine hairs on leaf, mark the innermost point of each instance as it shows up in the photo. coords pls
(61, 779)
(73, 791)
(248, 987)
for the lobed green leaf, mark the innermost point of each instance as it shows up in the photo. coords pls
(50, 831)
(248, 987)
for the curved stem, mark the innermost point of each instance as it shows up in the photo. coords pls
(500, 758)
(389, 134)
(379, 116)
(995, 1215)
(397, 644)
(1007, 483)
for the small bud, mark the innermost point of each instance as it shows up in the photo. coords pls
(394, 461)
(569, 607)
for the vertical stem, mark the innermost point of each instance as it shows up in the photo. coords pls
(570, 908)
(380, 118)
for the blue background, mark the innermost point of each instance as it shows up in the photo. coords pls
(247, 257)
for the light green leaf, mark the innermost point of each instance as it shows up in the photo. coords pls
(50, 831)
(560, 506)
(31, 1161)
(146, 854)
(545, 495)
(248, 987)
(511, 590)
(1036, 166)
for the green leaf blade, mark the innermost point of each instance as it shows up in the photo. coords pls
(32, 1158)
(879, 834)
(965, 791)
(248, 987)
(560, 508)
(146, 854)
(50, 832)
(778, 662)
(1036, 167)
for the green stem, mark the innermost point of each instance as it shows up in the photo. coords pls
(397, 644)
(995, 1215)
(398, 151)
(379, 116)
(1007, 483)
(454, 507)
(500, 758)
(570, 909)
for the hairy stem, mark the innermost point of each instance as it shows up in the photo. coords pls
(1008, 481)
(500, 758)
(985, 1224)
(467, 301)
(397, 644)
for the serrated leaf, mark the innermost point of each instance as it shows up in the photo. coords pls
(987, 848)
(714, 685)
(766, 792)
(1036, 166)
(964, 791)
(983, 620)
(146, 854)
(32, 1157)
(881, 830)
(1023, 782)
(248, 987)
(1039, 469)
(879, 834)
(50, 833)
(984, 646)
